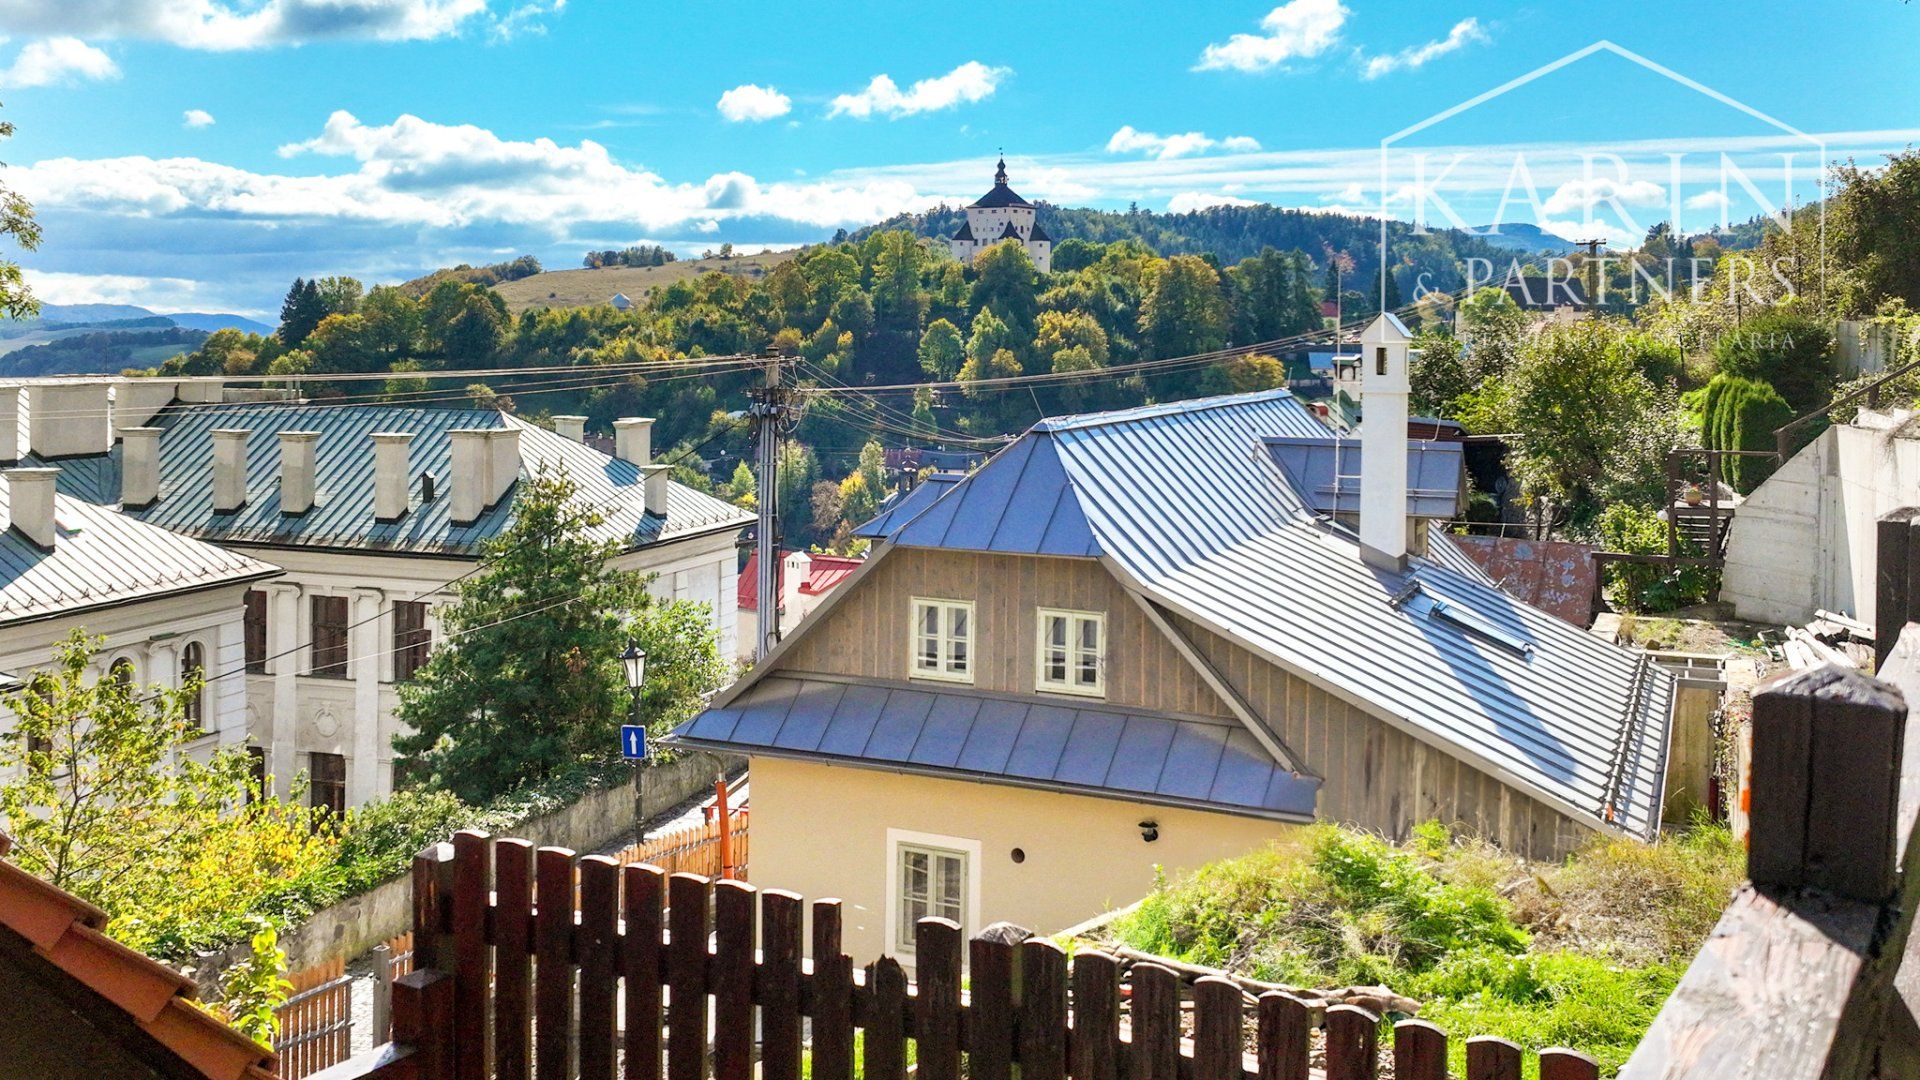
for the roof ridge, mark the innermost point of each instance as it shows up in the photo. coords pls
(1078, 421)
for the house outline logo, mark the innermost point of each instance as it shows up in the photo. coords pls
(1780, 214)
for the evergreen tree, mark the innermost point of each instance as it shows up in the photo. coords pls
(301, 312)
(535, 681)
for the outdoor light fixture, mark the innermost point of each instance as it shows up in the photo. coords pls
(635, 661)
(1149, 830)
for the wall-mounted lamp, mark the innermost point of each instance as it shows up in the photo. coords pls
(1149, 830)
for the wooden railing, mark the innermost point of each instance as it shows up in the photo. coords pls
(316, 1020)
(695, 849)
(673, 976)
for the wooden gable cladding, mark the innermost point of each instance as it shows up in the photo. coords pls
(1376, 776)
(868, 633)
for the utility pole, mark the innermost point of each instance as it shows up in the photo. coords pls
(769, 412)
(1590, 272)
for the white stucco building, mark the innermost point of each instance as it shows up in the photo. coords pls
(1002, 215)
(167, 606)
(371, 511)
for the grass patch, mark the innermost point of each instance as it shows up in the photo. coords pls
(1578, 954)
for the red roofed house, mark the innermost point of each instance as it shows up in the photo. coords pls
(805, 580)
(76, 1003)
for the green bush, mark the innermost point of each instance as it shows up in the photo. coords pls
(1644, 587)
(1742, 414)
(1786, 350)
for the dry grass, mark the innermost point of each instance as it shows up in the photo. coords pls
(585, 288)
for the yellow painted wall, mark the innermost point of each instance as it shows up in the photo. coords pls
(821, 831)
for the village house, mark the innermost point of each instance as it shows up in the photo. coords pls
(372, 511)
(166, 607)
(1139, 641)
(804, 582)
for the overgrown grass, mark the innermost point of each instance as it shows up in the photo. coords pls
(1579, 954)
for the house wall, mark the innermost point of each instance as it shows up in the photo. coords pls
(1083, 856)
(296, 714)
(1375, 775)
(151, 635)
(1824, 500)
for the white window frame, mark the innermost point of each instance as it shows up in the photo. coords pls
(899, 841)
(943, 671)
(1075, 619)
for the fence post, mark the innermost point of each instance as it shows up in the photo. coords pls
(382, 994)
(423, 1019)
(1896, 579)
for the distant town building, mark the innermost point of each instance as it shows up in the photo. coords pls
(620, 302)
(999, 215)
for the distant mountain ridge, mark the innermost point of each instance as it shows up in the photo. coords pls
(105, 339)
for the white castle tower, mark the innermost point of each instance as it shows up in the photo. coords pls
(1002, 215)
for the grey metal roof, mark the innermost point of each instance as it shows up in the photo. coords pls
(903, 506)
(1325, 471)
(1185, 503)
(101, 557)
(1082, 747)
(342, 515)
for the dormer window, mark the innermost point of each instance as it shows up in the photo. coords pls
(1071, 658)
(1379, 359)
(942, 640)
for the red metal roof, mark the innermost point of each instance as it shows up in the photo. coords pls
(68, 932)
(825, 572)
(1553, 575)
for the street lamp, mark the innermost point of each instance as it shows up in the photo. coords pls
(634, 663)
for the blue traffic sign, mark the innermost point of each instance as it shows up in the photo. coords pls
(633, 741)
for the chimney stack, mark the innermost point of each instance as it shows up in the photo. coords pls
(69, 419)
(572, 427)
(139, 467)
(469, 480)
(503, 447)
(229, 469)
(10, 424)
(30, 504)
(656, 481)
(298, 457)
(390, 474)
(633, 439)
(1383, 442)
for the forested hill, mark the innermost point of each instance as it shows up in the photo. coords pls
(1232, 233)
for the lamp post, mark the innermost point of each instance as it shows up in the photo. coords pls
(634, 663)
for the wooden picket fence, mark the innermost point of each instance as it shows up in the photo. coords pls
(693, 850)
(316, 1020)
(657, 975)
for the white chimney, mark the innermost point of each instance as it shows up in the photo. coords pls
(30, 504)
(10, 447)
(68, 419)
(1384, 357)
(298, 456)
(229, 469)
(468, 485)
(503, 447)
(793, 574)
(390, 474)
(656, 480)
(633, 439)
(139, 467)
(136, 401)
(572, 427)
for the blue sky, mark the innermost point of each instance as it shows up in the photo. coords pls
(200, 153)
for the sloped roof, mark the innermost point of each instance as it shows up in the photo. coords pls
(62, 937)
(903, 506)
(342, 515)
(1185, 504)
(1326, 471)
(101, 557)
(1038, 234)
(966, 231)
(1009, 233)
(823, 573)
(1082, 747)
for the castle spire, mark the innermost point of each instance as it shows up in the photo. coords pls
(1000, 174)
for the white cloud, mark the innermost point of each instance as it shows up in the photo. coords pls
(756, 103)
(1189, 201)
(1708, 200)
(970, 82)
(1465, 32)
(197, 118)
(55, 60)
(1296, 30)
(1587, 194)
(153, 293)
(226, 24)
(1129, 139)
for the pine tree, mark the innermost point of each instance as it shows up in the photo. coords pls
(302, 310)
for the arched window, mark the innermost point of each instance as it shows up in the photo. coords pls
(193, 668)
(121, 672)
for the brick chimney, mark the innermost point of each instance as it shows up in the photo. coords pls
(503, 447)
(486, 462)
(1383, 442)
(299, 452)
(69, 419)
(633, 439)
(10, 448)
(573, 427)
(390, 474)
(139, 467)
(229, 469)
(30, 504)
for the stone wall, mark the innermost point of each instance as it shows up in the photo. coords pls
(355, 925)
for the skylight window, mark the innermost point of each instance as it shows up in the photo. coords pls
(1415, 600)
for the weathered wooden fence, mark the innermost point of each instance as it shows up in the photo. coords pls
(316, 1020)
(695, 849)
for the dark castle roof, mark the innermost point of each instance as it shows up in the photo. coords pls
(966, 231)
(1009, 233)
(1038, 234)
(1001, 195)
